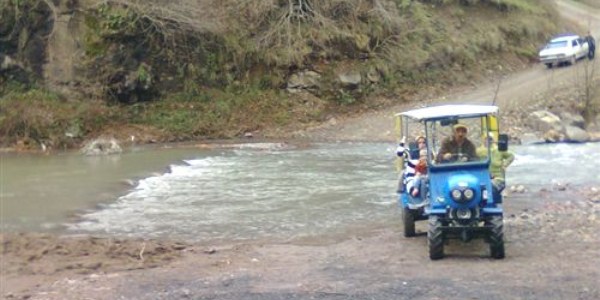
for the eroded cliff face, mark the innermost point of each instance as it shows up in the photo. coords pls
(52, 44)
(41, 40)
(64, 43)
(24, 31)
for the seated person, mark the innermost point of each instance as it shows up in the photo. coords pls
(414, 167)
(499, 161)
(457, 147)
(420, 174)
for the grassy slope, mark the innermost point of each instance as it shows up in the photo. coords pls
(233, 85)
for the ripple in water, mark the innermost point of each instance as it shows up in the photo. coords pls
(245, 194)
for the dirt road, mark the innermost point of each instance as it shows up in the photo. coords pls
(552, 242)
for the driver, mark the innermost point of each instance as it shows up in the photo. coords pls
(457, 147)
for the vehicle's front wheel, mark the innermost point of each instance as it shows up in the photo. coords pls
(496, 238)
(573, 60)
(549, 65)
(435, 238)
(408, 218)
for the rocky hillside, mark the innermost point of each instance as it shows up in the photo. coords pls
(180, 70)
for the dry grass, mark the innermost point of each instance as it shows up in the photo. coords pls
(407, 35)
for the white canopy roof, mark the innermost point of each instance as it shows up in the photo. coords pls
(458, 110)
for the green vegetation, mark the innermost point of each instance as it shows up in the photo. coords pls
(218, 68)
(35, 117)
(214, 113)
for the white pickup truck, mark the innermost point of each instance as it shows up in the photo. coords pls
(567, 48)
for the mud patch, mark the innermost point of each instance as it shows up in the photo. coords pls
(45, 254)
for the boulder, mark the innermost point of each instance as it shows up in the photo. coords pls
(373, 75)
(304, 80)
(576, 135)
(594, 136)
(543, 120)
(553, 136)
(570, 119)
(102, 146)
(593, 127)
(6, 62)
(350, 79)
(12, 69)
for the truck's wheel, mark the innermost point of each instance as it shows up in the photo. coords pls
(408, 218)
(435, 238)
(549, 65)
(496, 238)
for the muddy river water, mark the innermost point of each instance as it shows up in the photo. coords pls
(275, 191)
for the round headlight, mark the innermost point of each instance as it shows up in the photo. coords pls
(456, 195)
(468, 194)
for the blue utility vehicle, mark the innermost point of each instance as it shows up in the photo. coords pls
(455, 195)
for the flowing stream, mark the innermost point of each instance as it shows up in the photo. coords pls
(252, 192)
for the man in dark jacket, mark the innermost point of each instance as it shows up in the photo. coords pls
(592, 46)
(458, 147)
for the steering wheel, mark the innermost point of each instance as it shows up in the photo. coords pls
(454, 157)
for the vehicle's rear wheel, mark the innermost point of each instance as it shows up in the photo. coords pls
(435, 238)
(496, 238)
(549, 65)
(408, 218)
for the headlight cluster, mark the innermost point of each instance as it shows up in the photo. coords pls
(462, 195)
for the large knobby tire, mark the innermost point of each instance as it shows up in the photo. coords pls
(496, 238)
(408, 218)
(435, 238)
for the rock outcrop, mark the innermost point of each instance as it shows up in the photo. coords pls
(102, 146)
(569, 128)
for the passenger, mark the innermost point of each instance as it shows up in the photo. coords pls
(401, 151)
(411, 164)
(500, 160)
(457, 147)
(420, 174)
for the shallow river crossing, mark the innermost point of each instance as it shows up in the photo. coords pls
(255, 191)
